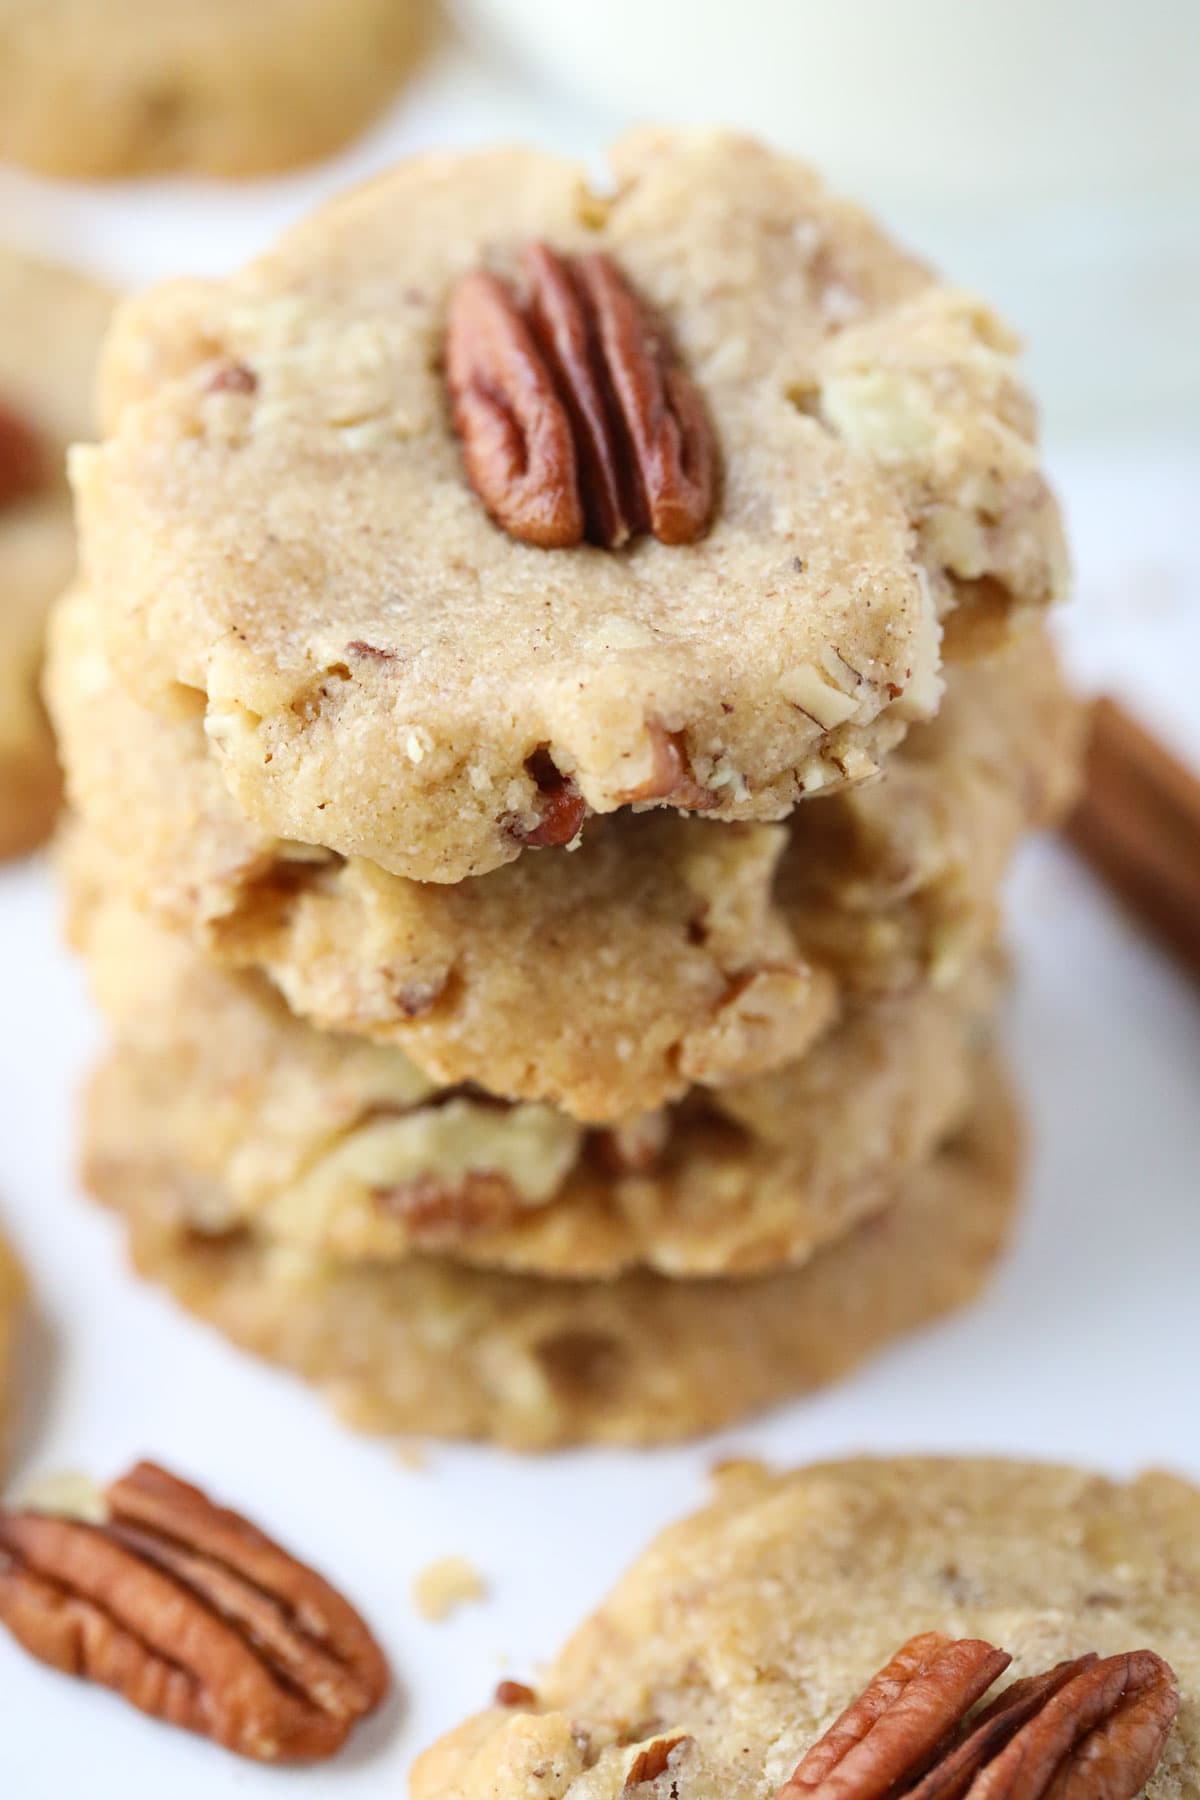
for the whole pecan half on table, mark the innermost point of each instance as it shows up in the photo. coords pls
(577, 420)
(193, 1615)
(1088, 1729)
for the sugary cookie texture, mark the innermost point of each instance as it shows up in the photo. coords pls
(742, 1634)
(51, 322)
(666, 951)
(344, 1148)
(131, 87)
(290, 522)
(429, 1345)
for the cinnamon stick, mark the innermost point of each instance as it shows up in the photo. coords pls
(1137, 823)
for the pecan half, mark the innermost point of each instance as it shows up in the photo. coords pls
(1100, 1735)
(22, 460)
(993, 1728)
(194, 1616)
(577, 419)
(1084, 1730)
(891, 1734)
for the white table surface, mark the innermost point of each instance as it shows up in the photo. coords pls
(1086, 1347)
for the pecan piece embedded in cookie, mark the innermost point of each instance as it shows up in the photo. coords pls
(576, 418)
(193, 1615)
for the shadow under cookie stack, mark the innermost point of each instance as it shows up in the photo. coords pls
(554, 687)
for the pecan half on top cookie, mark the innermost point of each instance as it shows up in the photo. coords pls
(529, 503)
(751, 1653)
(192, 1615)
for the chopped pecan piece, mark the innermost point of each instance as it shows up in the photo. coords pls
(194, 1616)
(671, 779)
(561, 807)
(232, 378)
(514, 1693)
(635, 1148)
(22, 459)
(576, 417)
(651, 1761)
(1084, 1730)
(437, 1211)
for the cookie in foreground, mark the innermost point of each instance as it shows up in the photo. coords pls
(431, 1346)
(828, 1633)
(301, 515)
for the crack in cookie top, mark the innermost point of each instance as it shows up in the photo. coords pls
(388, 671)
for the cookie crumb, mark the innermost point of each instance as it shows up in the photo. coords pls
(729, 1470)
(412, 1456)
(443, 1586)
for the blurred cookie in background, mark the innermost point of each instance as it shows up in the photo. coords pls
(51, 321)
(132, 87)
(12, 1305)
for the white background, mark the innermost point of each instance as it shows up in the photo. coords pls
(1085, 1348)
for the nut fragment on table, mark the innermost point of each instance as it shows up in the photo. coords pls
(443, 1586)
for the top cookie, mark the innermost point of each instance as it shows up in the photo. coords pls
(284, 517)
(740, 1636)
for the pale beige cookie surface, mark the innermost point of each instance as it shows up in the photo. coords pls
(12, 1306)
(344, 1147)
(51, 322)
(282, 522)
(666, 951)
(745, 1630)
(130, 87)
(431, 1346)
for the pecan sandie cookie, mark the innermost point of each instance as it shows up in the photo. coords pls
(487, 502)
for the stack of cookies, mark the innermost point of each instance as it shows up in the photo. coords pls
(555, 683)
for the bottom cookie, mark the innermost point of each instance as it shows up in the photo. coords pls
(431, 1346)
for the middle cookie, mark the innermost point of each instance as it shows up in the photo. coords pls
(666, 952)
(341, 1146)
